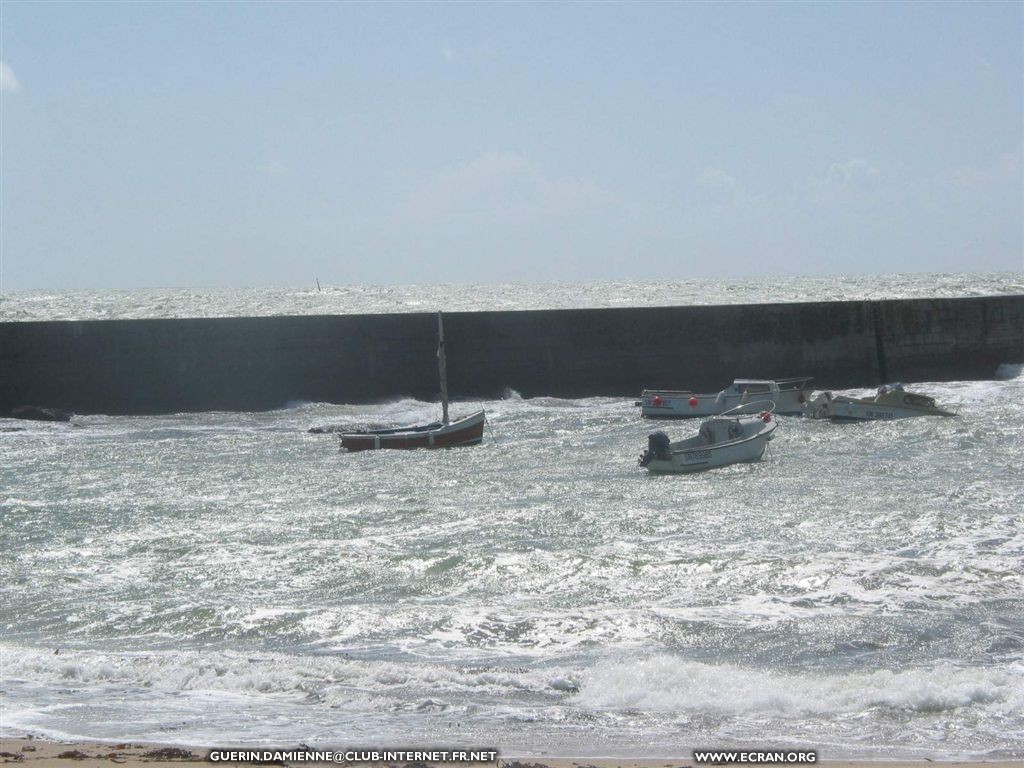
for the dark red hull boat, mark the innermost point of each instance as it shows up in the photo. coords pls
(467, 431)
(440, 434)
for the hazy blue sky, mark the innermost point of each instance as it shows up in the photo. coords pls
(158, 144)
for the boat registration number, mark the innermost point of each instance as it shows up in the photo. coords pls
(881, 414)
(695, 457)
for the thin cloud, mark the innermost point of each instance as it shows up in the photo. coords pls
(505, 185)
(716, 187)
(841, 183)
(502, 216)
(8, 82)
(275, 168)
(852, 173)
(447, 52)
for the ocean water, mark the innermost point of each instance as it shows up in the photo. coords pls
(359, 299)
(226, 578)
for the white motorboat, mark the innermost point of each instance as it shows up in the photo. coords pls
(890, 402)
(720, 441)
(789, 395)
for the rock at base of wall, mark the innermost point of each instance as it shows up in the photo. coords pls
(36, 413)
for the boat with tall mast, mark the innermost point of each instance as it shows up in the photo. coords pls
(445, 433)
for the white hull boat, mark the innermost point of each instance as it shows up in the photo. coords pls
(721, 441)
(890, 402)
(789, 395)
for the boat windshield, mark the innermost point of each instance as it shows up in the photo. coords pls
(921, 401)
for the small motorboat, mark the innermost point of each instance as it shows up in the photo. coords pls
(720, 441)
(890, 402)
(468, 430)
(789, 395)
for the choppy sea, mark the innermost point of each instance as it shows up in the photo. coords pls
(227, 578)
(358, 299)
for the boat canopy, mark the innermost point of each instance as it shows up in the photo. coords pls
(755, 386)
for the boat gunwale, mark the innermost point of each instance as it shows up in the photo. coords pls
(735, 383)
(436, 427)
(932, 411)
(768, 429)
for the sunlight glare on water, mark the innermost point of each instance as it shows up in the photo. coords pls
(222, 578)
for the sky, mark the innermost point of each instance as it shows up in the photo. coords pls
(240, 144)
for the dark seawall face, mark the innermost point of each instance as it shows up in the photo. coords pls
(258, 363)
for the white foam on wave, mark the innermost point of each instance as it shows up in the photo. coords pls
(22, 504)
(263, 698)
(327, 678)
(1008, 371)
(666, 683)
(658, 683)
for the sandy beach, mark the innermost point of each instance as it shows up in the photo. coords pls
(37, 753)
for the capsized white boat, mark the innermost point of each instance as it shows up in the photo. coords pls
(890, 402)
(720, 441)
(789, 395)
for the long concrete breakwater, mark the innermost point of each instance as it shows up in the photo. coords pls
(260, 363)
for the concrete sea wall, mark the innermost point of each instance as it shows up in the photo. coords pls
(258, 363)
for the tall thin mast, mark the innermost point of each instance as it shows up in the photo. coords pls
(442, 368)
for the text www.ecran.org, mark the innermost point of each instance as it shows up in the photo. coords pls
(756, 756)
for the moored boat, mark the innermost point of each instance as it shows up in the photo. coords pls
(468, 430)
(789, 396)
(890, 402)
(455, 434)
(720, 441)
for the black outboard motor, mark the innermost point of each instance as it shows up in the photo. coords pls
(658, 447)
